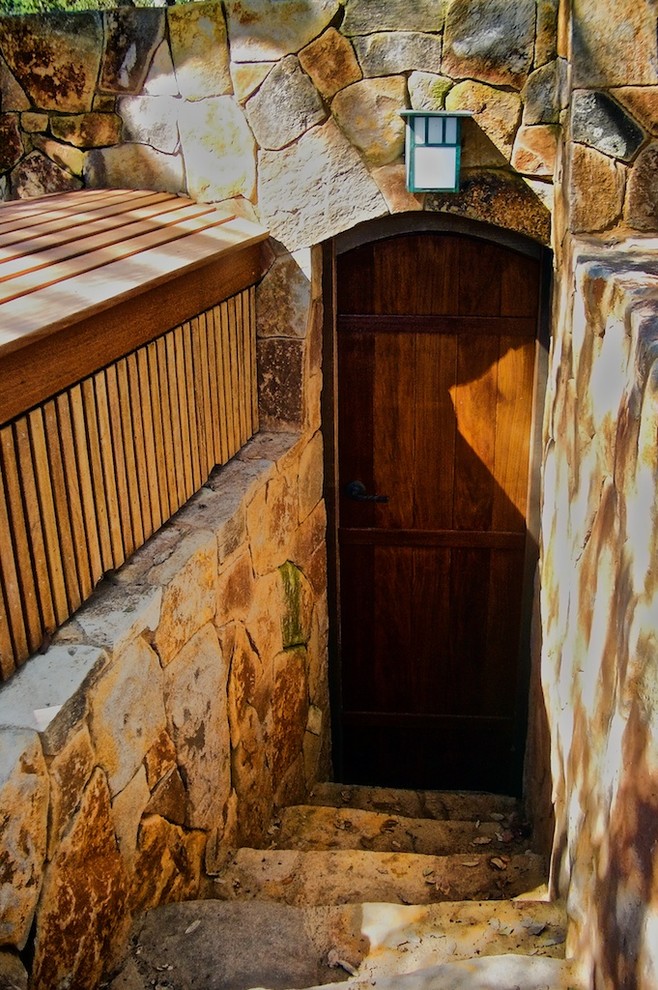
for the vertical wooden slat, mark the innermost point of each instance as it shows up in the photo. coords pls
(86, 483)
(158, 373)
(191, 407)
(234, 374)
(213, 386)
(114, 406)
(106, 451)
(98, 481)
(25, 470)
(7, 653)
(46, 511)
(253, 383)
(155, 398)
(147, 399)
(76, 511)
(226, 380)
(178, 387)
(129, 452)
(138, 444)
(219, 317)
(16, 588)
(62, 506)
(200, 372)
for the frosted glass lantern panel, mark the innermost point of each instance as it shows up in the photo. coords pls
(451, 130)
(419, 130)
(435, 168)
(435, 130)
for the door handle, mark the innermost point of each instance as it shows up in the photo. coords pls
(356, 490)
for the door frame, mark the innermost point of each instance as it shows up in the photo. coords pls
(530, 634)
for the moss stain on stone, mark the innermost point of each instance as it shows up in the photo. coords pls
(292, 624)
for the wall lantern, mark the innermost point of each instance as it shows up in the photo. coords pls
(433, 149)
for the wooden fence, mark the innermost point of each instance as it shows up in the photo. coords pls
(90, 473)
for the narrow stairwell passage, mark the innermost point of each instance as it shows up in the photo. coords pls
(369, 887)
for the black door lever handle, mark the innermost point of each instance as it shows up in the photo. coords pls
(356, 490)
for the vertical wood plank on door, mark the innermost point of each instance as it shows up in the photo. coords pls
(356, 369)
(431, 688)
(45, 507)
(61, 498)
(475, 408)
(436, 429)
(394, 427)
(513, 421)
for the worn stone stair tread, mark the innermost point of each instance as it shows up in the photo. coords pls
(350, 876)
(507, 972)
(307, 827)
(217, 945)
(439, 805)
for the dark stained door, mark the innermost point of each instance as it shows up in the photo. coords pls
(436, 351)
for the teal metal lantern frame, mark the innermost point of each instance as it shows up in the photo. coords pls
(433, 149)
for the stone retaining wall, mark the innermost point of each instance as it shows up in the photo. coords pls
(293, 108)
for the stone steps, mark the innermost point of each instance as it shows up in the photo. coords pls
(370, 887)
(307, 827)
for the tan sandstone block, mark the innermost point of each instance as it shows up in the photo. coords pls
(247, 77)
(330, 62)
(614, 44)
(23, 824)
(496, 112)
(219, 150)
(197, 715)
(160, 759)
(62, 154)
(82, 922)
(168, 864)
(283, 299)
(271, 521)
(87, 130)
(642, 102)
(368, 113)
(286, 719)
(127, 712)
(69, 771)
(535, 149)
(311, 476)
(199, 48)
(235, 589)
(260, 31)
(596, 189)
(188, 579)
(127, 809)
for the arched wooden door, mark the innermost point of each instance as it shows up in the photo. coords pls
(435, 359)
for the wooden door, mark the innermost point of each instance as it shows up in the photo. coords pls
(436, 345)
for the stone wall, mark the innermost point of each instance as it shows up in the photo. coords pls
(292, 108)
(598, 600)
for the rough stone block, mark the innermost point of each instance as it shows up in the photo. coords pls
(11, 144)
(392, 183)
(131, 38)
(393, 52)
(490, 40)
(57, 67)
(496, 112)
(127, 809)
(34, 122)
(642, 104)
(263, 625)
(71, 159)
(366, 16)
(151, 120)
(13, 96)
(23, 824)
(134, 166)
(368, 112)
(235, 588)
(127, 712)
(310, 536)
(244, 684)
(115, 616)
(87, 130)
(297, 607)
(642, 199)
(614, 44)
(324, 176)
(544, 93)
(247, 77)
(168, 864)
(261, 32)
(13, 975)
(161, 78)
(535, 149)
(283, 299)
(285, 107)
(427, 90)
(188, 579)
(197, 715)
(271, 521)
(169, 799)
(596, 191)
(160, 759)
(285, 723)
(280, 382)
(199, 50)
(600, 122)
(36, 176)
(497, 197)
(311, 476)
(330, 62)
(69, 771)
(82, 922)
(219, 150)
(50, 693)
